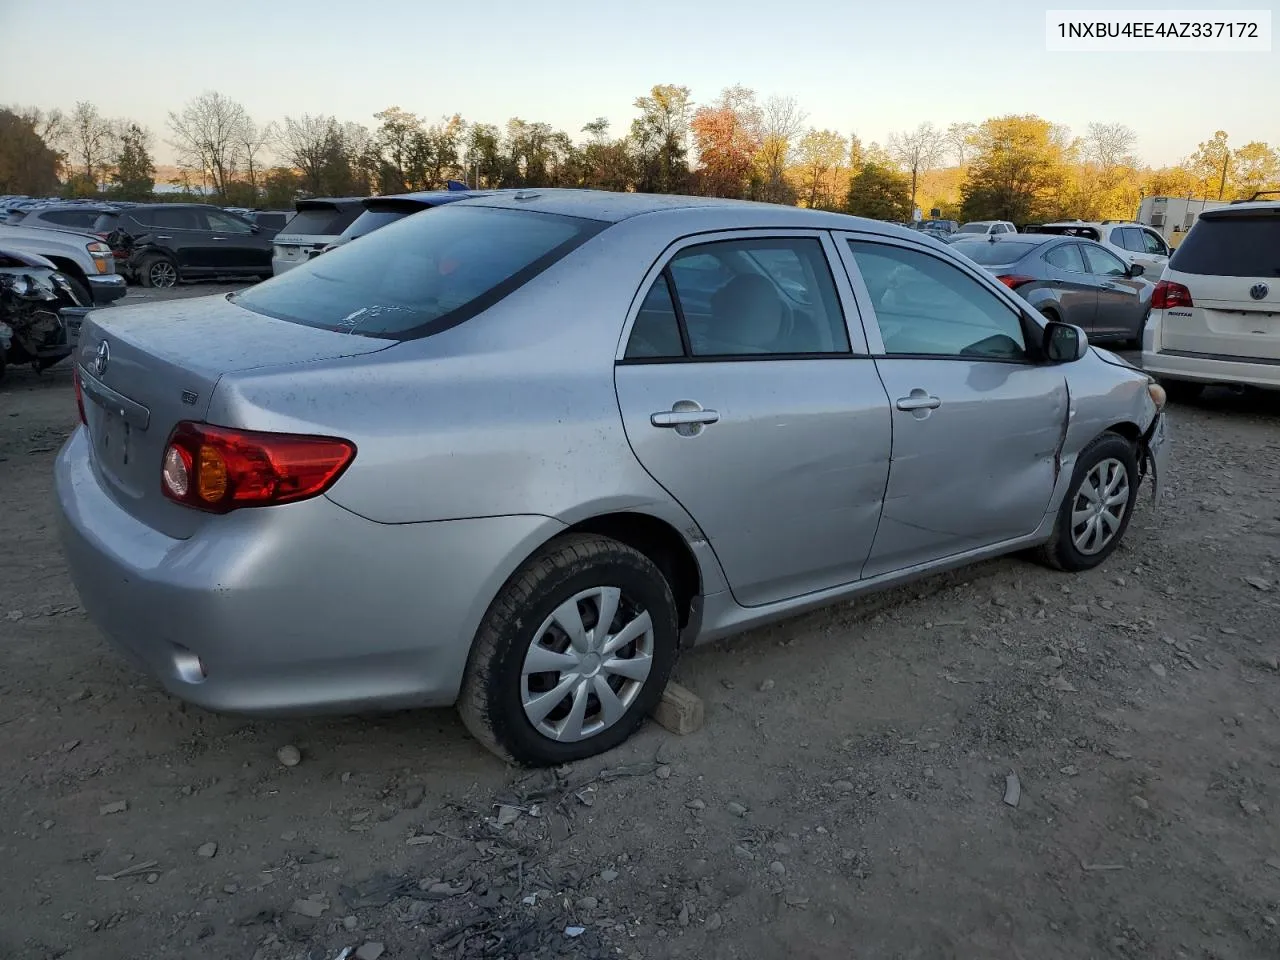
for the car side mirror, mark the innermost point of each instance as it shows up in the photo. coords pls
(255, 228)
(1064, 342)
(1136, 270)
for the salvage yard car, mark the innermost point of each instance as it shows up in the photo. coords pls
(514, 454)
(1215, 315)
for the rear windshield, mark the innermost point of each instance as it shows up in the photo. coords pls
(1238, 246)
(322, 221)
(1089, 233)
(421, 275)
(987, 253)
(372, 220)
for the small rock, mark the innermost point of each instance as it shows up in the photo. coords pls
(777, 868)
(1258, 583)
(70, 745)
(683, 919)
(1251, 808)
(844, 786)
(1069, 770)
(766, 686)
(696, 804)
(231, 888)
(207, 850)
(1051, 663)
(1012, 790)
(588, 903)
(346, 777)
(81, 694)
(713, 922)
(1159, 670)
(349, 923)
(314, 909)
(289, 836)
(115, 806)
(1140, 802)
(737, 809)
(1062, 684)
(370, 951)
(289, 755)
(663, 773)
(608, 876)
(740, 851)
(13, 616)
(727, 684)
(47, 825)
(152, 877)
(575, 931)
(507, 815)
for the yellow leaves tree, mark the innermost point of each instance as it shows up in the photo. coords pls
(1256, 166)
(1019, 170)
(820, 174)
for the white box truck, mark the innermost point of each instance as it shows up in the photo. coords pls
(1172, 217)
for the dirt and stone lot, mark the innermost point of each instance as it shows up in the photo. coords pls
(845, 798)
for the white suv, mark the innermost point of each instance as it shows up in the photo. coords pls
(1215, 314)
(1134, 243)
(988, 227)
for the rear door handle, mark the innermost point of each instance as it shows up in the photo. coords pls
(919, 400)
(682, 418)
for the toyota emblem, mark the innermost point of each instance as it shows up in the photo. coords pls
(1259, 290)
(101, 358)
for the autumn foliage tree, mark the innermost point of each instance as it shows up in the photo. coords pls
(1018, 171)
(727, 137)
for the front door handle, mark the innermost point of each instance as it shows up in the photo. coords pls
(919, 400)
(683, 418)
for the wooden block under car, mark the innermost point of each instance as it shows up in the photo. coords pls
(680, 710)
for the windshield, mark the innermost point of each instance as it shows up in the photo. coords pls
(321, 221)
(1235, 246)
(974, 228)
(421, 275)
(990, 254)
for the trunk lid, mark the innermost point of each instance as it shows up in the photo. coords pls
(145, 368)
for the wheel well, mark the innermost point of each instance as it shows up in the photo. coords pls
(68, 266)
(658, 541)
(1130, 431)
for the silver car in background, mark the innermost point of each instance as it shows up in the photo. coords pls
(1069, 279)
(516, 452)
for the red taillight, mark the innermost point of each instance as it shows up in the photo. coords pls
(75, 376)
(1169, 294)
(221, 469)
(1013, 280)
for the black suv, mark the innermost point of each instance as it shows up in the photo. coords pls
(159, 244)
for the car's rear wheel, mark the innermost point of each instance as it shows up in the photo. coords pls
(1182, 391)
(160, 272)
(1095, 512)
(574, 651)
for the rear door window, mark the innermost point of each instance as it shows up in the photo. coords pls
(1153, 244)
(1103, 262)
(1242, 245)
(177, 218)
(423, 274)
(1066, 257)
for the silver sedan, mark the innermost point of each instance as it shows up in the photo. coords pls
(517, 452)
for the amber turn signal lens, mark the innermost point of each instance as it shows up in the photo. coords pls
(213, 475)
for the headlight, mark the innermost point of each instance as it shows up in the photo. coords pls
(1157, 395)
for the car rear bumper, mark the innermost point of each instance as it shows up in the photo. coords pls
(1203, 368)
(303, 608)
(107, 288)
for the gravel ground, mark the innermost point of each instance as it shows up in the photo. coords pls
(845, 798)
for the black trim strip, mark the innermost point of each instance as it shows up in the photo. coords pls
(677, 307)
(746, 357)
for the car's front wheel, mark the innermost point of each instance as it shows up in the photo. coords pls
(1095, 512)
(574, 651)
(158, 271)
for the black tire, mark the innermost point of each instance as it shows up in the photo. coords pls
(1061, 552)
(1182, 391)
(154, 262)
(490, 702)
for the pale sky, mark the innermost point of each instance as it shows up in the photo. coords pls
(857, 67)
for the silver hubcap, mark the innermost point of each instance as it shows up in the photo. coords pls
(163, 274)
(1099, 506)
(586, 665)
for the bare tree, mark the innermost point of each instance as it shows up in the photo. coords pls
(253, 141)
(208, 134)
(917, 150)
(961, 138)
(304, 142)
(91, 140)
(781, 121)
(1110, 145)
